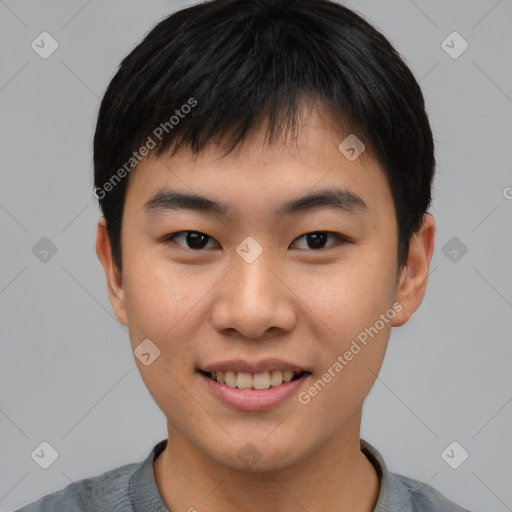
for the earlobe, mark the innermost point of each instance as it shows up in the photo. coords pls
(414, 276)
(112, 275)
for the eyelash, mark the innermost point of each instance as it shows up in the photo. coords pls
(339, 238)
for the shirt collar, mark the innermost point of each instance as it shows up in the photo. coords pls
(143, 491)
(145, 496)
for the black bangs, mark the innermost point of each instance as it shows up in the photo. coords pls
(210, 72)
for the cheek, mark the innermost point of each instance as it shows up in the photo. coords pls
(162, 306)
(351, 361)
(159, 300)
(350, 296)
(356, 303)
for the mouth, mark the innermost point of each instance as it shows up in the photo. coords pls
(255, 381)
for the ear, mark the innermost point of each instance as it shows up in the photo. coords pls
(113, 276)
(412, 283)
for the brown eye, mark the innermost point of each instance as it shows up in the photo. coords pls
(194, 240)
(317, 240)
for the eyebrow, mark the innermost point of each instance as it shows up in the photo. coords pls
(330, 198)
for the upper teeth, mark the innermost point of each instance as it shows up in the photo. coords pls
(245, 380)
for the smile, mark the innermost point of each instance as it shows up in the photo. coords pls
(260, 391)
(257, 381)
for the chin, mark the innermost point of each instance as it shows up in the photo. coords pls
(256, 455)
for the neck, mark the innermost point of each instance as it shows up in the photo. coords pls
(338, 476)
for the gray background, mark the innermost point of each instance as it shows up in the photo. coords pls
(67, 374)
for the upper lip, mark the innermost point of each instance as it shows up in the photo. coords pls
(266, 365)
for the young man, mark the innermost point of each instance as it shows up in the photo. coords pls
(264, 169)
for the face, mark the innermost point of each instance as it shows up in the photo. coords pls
(253, 287)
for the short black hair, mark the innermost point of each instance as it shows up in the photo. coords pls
(214, 69)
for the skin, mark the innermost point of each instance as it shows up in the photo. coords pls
(294, 302)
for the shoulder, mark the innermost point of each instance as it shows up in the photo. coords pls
(420, 496)
(108, 492)
(398, 492)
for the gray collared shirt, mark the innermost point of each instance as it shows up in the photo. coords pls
(132, 488)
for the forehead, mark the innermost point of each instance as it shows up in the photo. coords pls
(316, 159)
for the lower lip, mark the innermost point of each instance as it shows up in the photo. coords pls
(254, 399)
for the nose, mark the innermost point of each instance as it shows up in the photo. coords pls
(254, 298)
